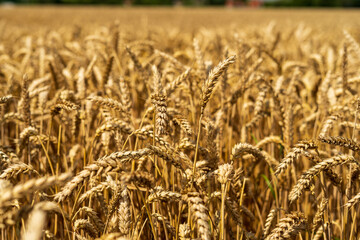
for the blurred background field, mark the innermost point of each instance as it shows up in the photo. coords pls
(252, 3)
(185, 19)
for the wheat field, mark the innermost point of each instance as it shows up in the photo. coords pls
(134, 123)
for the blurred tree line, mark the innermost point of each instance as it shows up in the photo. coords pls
(289, 3)
(315, 3)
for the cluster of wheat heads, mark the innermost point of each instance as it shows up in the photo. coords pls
(106, 134)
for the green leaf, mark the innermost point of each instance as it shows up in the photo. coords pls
(254, 138)
(268, 183)
(281, 148)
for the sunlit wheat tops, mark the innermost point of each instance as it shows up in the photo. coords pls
(212, 79)
(112, 128)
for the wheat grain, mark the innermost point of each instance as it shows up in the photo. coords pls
(306, 177)
(288, 227)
